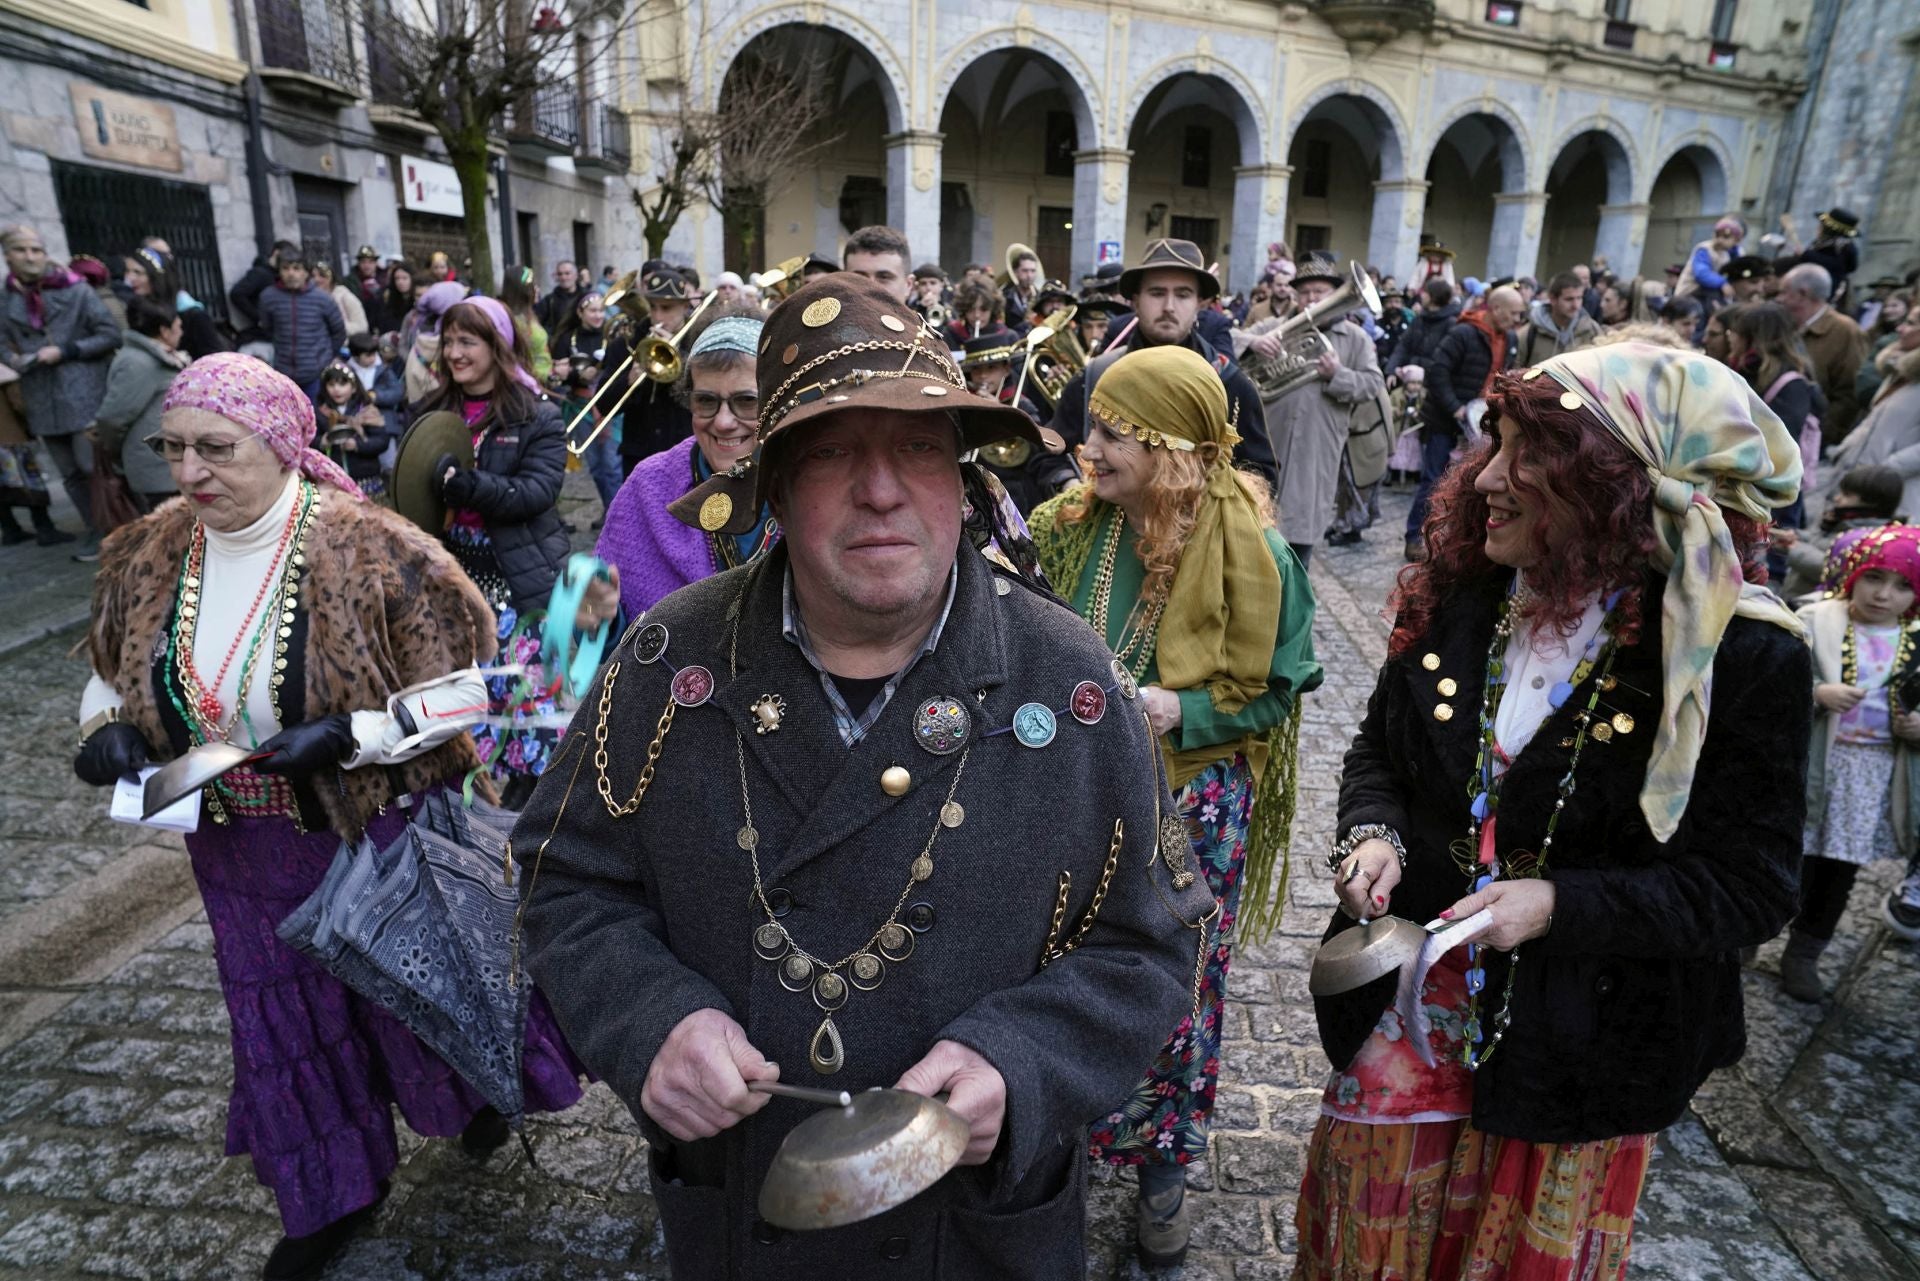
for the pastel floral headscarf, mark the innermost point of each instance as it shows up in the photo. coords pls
(1710, 445)
(252, 394)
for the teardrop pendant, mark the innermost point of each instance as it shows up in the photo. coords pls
(826, 1064)
(1559, 694)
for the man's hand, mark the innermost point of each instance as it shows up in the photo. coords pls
(975, 1089)
(1328, 364)
(1364, 881)
(1783, 538)
(48, 355)
(697, 1085)
(1267, 344)
(1838, 698)
(1163, 708)
(1522, 910)
(1907, 725)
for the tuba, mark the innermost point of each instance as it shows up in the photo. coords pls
(775, 284)
(1015, 252)
(1301, 342)
(1059, 358)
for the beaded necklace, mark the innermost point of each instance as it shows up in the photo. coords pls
(206, 697)
(1143, 635)
(1850, 654)
(1479, 859)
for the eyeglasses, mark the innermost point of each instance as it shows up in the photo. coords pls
(744, 405)
(214, 453)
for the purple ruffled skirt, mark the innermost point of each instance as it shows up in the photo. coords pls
(316, 1067)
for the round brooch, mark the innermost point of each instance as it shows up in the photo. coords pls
(650, 643)
(1034, 725)
(1088, 704)
(715, 512)
(692, 686)
(941, 725)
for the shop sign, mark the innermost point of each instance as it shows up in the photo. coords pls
(125, 129)
(427, 186)
(1109, 252)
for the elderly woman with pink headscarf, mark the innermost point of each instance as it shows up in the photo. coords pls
(504, 525)
(276, 609)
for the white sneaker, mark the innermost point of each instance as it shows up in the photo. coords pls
(1902, 908)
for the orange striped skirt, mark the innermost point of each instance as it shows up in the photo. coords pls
(1442, 1201)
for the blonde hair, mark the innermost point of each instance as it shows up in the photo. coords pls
(1172, 507)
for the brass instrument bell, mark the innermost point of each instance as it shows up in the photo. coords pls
(1302, 343)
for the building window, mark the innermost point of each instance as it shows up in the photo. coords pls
(1316, 173)
(107, 210)
(583, 246)
(1053, 239)
(1721, 29)
(1196, 157)
(1720, 57)
(863, 202)
(1620, 10)
(1063, 139)
(1308, 237)
(1503, 13)
(1619, 35)
(1204, 232)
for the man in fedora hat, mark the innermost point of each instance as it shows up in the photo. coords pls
(1836, 248)
(1308, 422)
(844, 750)
(1167, 288)
(652, 420)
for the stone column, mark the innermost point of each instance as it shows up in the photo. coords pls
(1259, 219)
(1622, 236)
(913, 190)
(1514, 249)
(1393, 244)
(1099, 208)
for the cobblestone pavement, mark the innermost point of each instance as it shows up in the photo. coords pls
(1795, 1164)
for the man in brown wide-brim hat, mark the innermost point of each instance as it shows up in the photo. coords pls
(805, 849)
(1169, 287)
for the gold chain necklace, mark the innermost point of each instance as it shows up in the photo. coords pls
(1850, 655)
(865, 967)
(1142, 636)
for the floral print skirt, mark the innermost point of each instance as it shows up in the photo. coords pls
(1168, 1116)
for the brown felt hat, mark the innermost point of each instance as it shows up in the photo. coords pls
(842, 342)
(1181, 255)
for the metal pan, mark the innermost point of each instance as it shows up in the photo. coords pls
(1356, 957)
(847, 1164)
(185, 775)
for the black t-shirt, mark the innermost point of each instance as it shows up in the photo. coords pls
(859, 692)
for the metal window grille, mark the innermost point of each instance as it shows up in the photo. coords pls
(310, 36)
(107, 212)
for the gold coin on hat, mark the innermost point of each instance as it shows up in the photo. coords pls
(792, 350)
(1570, 400)
(715, 511)
(819, 312)
(891, 322)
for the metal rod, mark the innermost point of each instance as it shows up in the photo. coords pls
(805, 1094)
(607, 382)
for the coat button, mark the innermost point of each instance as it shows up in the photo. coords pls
(894, 1248)
(765, 1233)
(920, 917)
(780, 900)
(1603, 986)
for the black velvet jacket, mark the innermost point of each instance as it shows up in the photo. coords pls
(1633, 997)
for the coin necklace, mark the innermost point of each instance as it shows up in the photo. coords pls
(205, 697)
(1480, 858)
(865, 967)
(1142, 636)
(1850, 655)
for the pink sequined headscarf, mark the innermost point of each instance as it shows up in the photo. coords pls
(252, 394)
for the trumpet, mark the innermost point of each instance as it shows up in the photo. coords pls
(1302, 343)
(659, 360)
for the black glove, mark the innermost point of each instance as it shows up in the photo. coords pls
(308, 747)
(459, 489)
(110, 752)
(441, 466)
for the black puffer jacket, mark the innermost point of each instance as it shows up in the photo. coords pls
(1422, 337)
(1633, 996)
(515, 488)
(1457, 371)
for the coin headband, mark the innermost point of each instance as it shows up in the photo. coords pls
(772, 413)
(1113, 422)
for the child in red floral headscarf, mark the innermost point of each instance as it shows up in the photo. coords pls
(1862, 767)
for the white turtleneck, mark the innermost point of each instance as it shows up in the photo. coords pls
(235, 566)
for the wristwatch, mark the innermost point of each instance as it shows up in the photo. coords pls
(1357, 836)
(97, 722)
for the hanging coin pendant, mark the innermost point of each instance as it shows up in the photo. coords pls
(692, 686)
(922, 868)
(747, 837)
(796, 973)
(770, 942)
(896, 942)
(1603, 732)
(650, 643)
(829, 991)
(1622, 723)
(825, 1052)
(952, 814)
(866, 972)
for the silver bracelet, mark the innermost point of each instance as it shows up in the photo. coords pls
(1360, 835)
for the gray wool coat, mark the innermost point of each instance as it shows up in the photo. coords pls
(1308, 424)
(137, 383)
(61, 399)
(634, 923)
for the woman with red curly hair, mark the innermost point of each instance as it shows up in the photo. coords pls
(1587, 751)
(1172, 555)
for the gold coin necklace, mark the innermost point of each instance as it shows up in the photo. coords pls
(1146, 633)
(864, 968)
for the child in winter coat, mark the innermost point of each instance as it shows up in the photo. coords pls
(1863, 773)
(352, 430)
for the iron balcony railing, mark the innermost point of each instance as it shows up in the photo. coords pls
(550, 115)
(308, 36)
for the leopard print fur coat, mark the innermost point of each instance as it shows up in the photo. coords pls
(387, 607)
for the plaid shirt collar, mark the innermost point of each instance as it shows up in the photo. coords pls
(854, 728)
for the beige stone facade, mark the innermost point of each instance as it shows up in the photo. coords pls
(1354, 125)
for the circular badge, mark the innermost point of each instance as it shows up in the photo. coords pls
(650, 643)
(893, 322)
(1088, 704)
(941, 725)
(819, 312)
(1034, 725)
(1124, 680)
(692, 686)
(715, 511)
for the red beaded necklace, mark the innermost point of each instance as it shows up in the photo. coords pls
(207, 699)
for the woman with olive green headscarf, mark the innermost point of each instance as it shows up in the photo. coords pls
(1172, 555)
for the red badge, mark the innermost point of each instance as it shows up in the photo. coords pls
(692, 686)
(1088, 704)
